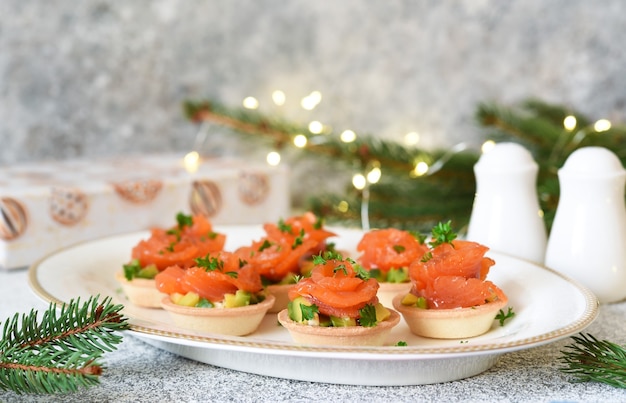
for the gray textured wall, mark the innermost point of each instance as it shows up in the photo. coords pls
(88, 78)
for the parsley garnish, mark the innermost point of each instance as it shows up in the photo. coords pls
(284, 227)
(401, 344)
(367, 316)
(318, 223)
(427, 256)
(442, 233)
(399, 248)
(210, 263)
(299, 239)
(184, 220)
(266, 244)
(362, 273)
(131, 269)
(341, 267)
(308, 312)
(502, 317)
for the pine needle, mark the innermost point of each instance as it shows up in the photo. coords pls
(593, 360)
(62, 352)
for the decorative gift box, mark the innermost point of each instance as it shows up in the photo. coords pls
(47, 206)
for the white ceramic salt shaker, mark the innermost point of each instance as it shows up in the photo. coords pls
(506, 215)
(588, 237)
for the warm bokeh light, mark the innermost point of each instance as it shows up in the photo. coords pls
(273, 158)
(311, 101)
(374, 175)
(348, 136)
(300, 141)
(411, 139)
(487, 146)
(191, 161)
(343, 206)
(316, 127)
(279, 97)
(421, 168)
(250, 103)
(359, 181)
(570, 122)
(602, 125)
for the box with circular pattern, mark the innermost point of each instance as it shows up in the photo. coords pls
(46, 206)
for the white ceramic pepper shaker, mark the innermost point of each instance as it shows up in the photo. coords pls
(506, 215)
(588, 237)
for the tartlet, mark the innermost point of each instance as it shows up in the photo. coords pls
(140, 291)
(339, 336)
(239, 321)
(451, 297)
(454, 323)
(337, 305)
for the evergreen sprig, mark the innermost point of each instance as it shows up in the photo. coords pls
(400, 199)
(62, 352)
(590, 359)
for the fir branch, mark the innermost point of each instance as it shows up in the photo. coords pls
(590, 359)
(62, 352)
(364, 149)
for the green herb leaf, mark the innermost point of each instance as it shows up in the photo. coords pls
(284, 227)
(367, 316)
(442, 233)
(299, 239)
(266, 244)
(184, 220)
(361, 272)
(131, 269)
(502, 317)
(308, 312)
(210, 263)
(399, 248)
(401, 344)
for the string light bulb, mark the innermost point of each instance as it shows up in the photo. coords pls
(487, 146)
(602, 125)
(348, 136)
(250, 103)
(411, 138)
(300, 140)
(316, 127)
(359, 181)
(421, 168)
(343, 206)
(191, 161)
(279, 97)
(311, 101)
(570, 122)
(273, 158)
(374, 175)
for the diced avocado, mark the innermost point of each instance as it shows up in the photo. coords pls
(382, 313)
(409, 299)
(295, 310)
(148, 272)
(342, 322)
(240, 298)
(400, 275)
(175, 297)
(189, 299)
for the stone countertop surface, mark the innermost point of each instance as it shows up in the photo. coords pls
(138, 372)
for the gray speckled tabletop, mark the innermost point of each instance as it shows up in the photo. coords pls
(139, 372)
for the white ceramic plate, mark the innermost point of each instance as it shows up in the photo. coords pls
(88, 269)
